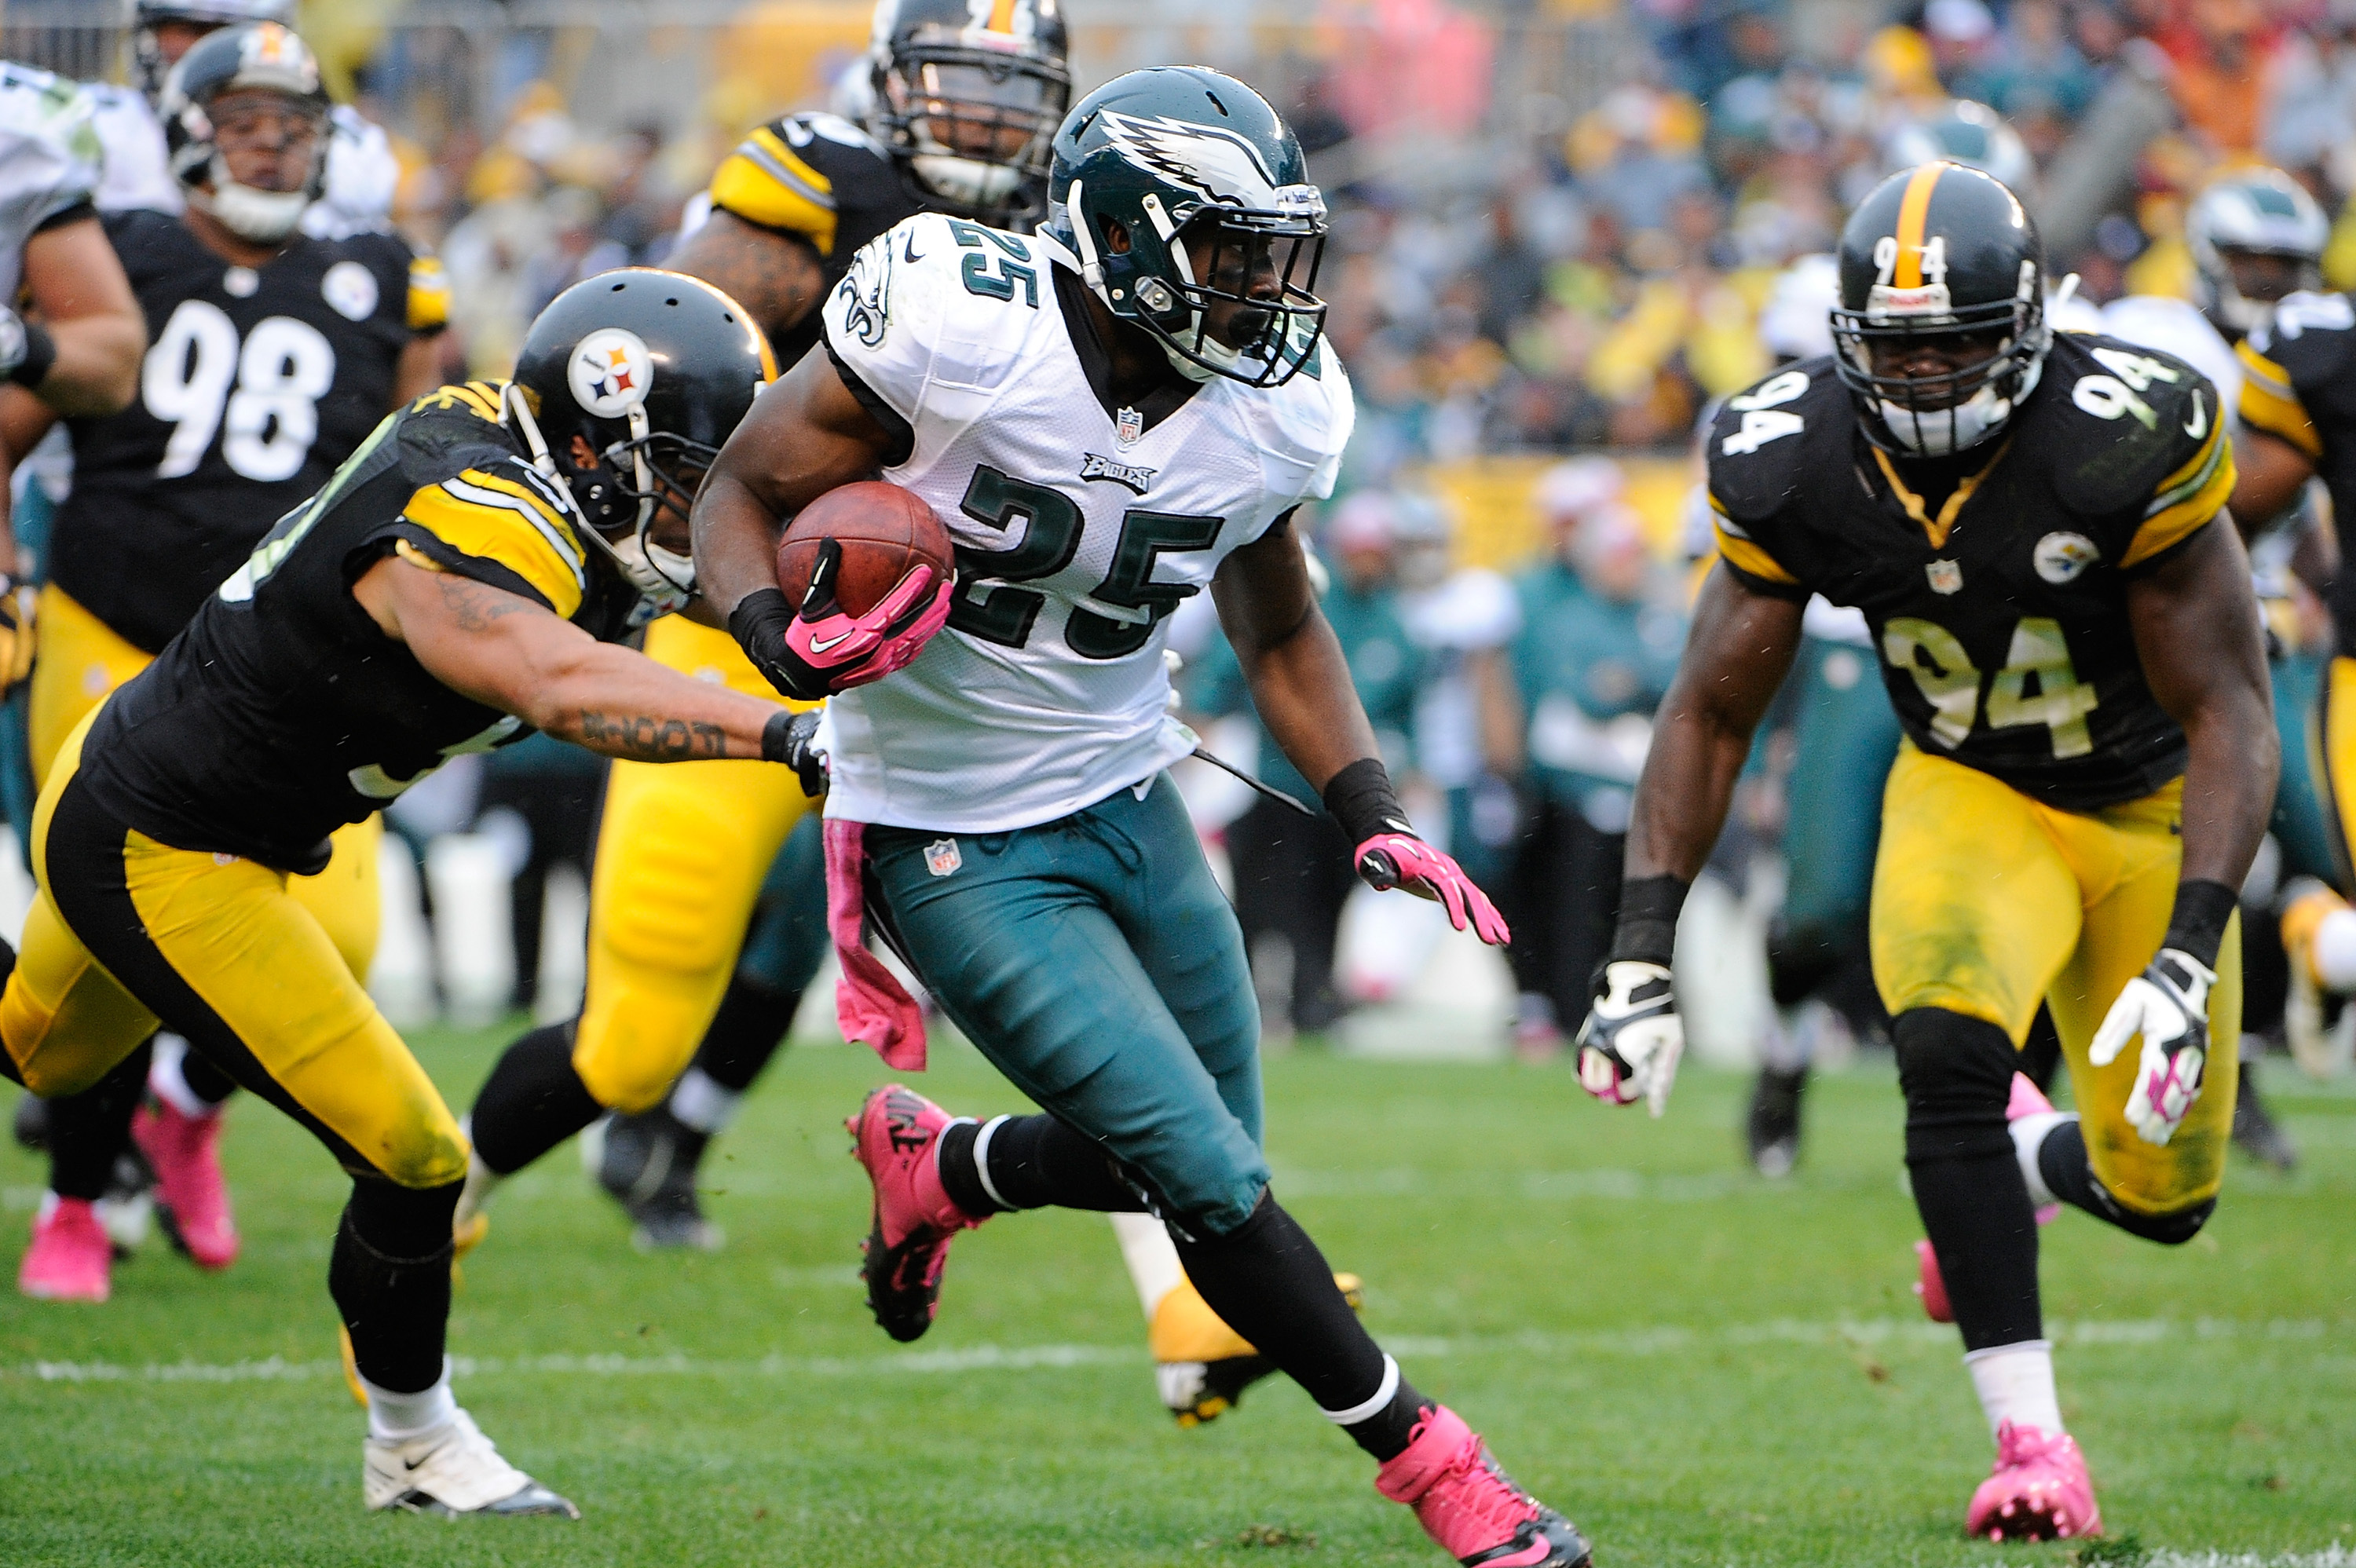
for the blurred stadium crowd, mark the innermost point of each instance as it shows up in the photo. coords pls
(1558, 230)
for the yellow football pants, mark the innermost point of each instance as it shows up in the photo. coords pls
(127, 933)
(2337, 775)
(1986, 902)
(83, 660)
(681, 851)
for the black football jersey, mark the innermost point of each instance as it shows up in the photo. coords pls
(282, 711)
(822, 179)
(257, 383)
(2298, 382)
(2001, 615)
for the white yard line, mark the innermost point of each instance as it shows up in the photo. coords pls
(1663, 1340)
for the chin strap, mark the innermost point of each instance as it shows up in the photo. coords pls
(1085, 242)
(637, 565)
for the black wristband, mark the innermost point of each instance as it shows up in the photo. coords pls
(2196, 926)
(758, 624)
(40, 354)
(1648, 929)
(777, 737)
(1361, 798)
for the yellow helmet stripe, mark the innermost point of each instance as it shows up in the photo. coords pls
(1002, 17)
(1914, 216)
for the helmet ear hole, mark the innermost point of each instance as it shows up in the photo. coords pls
(1116, 237)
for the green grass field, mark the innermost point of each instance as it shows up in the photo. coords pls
(1700, 1366)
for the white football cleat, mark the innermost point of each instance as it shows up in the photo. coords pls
(450, 1471)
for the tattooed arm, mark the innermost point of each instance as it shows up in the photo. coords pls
(508, 653)
(775, 277)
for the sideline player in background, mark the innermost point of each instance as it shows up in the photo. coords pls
(274, 357)
(2033, 526)
(1002, 799)
(2297, 424)
(466, 573)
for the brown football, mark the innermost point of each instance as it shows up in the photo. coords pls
(885, 531)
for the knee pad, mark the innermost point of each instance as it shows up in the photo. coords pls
(1956, 1073)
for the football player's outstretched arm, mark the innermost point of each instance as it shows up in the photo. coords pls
(806, 435)
(86, 306)
(509, 653)
(2203, 654)
(2269, 473)
(1300, 684)
(775, 277)
(1299, 677)
(1740, 648)
(2196, 630)
(1738, 653)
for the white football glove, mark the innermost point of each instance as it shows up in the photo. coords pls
(2167, 1004)
(1629, 1046)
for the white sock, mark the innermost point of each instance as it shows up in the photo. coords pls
(2016, 1385)
(2335, 950)
(2029, 1136)
(168, 1083)
(703, 1102)
(398, 1417)
(1152, 1257)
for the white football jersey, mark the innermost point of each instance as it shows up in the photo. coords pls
(49, 160)
(1078, 529)
(138, 171)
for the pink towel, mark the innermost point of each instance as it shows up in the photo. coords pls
(869, 1004)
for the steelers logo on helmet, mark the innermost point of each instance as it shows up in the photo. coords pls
(611, 372)
(1940, 330)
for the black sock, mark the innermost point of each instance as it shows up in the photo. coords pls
(1035, 1162)
(1957, 1072)
(205, 1080)
(2061, 1161)
(531, 1101)
(745, 1033)
(88, 1131)
(1266, 1279)
(390, 1274)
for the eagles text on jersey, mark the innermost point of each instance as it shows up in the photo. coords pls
(1080, 525)
(2001, 617)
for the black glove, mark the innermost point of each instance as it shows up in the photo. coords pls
(791, 737)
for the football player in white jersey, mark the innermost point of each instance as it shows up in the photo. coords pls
(1110, 415)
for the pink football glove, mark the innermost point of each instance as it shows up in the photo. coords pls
(1401, 861)
(842, 650)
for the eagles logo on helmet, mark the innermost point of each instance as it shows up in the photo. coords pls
(1940, 329)
(967, 96)
(1161, 158)
(626, 389)
(2248, 214)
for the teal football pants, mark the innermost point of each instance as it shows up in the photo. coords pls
(1094, 961)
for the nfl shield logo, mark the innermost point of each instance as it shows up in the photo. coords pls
(1128, 425)
(1947, 577)
(941, 857)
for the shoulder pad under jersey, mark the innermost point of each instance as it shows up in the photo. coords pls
(793, 175)
(1767, 437)
(2123, 418)
(51, 157)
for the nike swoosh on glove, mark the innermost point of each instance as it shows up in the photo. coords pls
(2167, 1004)
(1402, 860)
(844, 650)
(1629, 1046)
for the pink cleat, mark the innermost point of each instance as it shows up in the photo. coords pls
(71, 1258)
(896, 1135)
(191, 1197)
(2040, 1490)
(2028, 1100)
(1469, 1507)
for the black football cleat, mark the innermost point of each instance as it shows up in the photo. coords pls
(648, 1166)
(1772, 1130)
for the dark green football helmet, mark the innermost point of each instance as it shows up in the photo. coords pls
(1188, 200)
